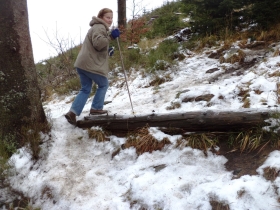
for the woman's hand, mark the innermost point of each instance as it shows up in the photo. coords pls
(115, 33)
(111, 51)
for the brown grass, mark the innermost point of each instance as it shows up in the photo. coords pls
(98, 134)
(202, 141)
(174, 105)
(241, 193)
(270, 173)
(146, 44)
(236, 58)
(143, 141)
(278, 92)
(246, 103)
(244, 93)
(271, 35)
(249, 140)
(31, 136)
(219, 205)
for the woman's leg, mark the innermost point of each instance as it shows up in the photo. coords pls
(99, 97)
(81, 98)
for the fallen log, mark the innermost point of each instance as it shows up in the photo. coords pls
(196, 121)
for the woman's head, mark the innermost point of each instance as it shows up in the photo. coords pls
(106, 15)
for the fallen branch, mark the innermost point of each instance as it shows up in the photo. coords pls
(187, 121)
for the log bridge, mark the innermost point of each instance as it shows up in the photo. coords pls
(196, 121)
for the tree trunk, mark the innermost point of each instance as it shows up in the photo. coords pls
(122, 13)
(188, 121)
(20, 102)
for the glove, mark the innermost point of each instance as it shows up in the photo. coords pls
(111, 51)
(115, 33)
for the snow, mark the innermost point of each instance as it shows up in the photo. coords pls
(76, 172)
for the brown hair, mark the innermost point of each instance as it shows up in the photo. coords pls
(102, 12)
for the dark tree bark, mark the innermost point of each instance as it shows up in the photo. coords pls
(122, 13)
(20, 102)
(225, 121)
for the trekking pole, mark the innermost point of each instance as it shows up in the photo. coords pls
(125, 74)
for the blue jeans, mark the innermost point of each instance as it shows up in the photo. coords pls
(87, 78)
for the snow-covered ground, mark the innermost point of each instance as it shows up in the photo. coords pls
(76, 172)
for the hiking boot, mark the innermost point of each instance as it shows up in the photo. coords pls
(71, 117)
(96, 112)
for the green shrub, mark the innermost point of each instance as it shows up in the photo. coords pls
(167, 20)
(133, 58)
(133, 55)
(8, 145)
(158, 58)
(72, 84)
(53, 71)
(164, 26)
(165, 53)
(266, 13)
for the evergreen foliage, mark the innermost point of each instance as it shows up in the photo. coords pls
(166, 20)
(266, 12)
(212, 16)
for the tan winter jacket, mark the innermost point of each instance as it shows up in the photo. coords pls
(93, 56)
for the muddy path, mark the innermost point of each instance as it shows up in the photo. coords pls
(244, 163)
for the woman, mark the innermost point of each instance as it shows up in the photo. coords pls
(92, 65)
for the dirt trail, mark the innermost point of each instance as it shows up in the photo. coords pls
(245, 163)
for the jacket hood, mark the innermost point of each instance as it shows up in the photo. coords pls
(96, 20)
